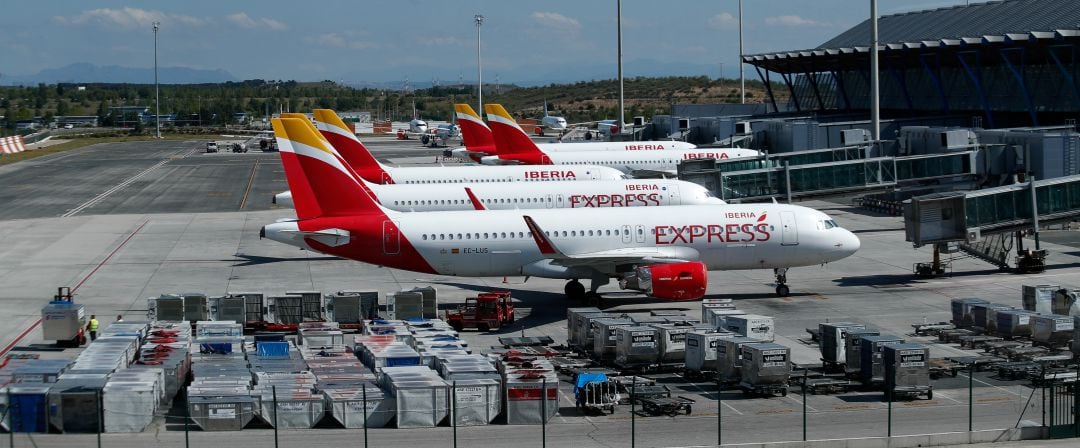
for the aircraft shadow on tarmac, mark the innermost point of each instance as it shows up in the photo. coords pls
(256, 260)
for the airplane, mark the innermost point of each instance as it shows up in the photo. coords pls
(535, 195)
(480, 141)
(364, 164)
(515, 146)
(665, 252)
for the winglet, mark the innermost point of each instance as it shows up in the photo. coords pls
(542, 242)
(475, 201)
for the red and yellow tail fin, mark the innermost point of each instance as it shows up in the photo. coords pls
(323, 186)
(355, 153)
(475, 133)
(509, 137)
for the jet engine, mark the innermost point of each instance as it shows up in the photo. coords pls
(675, 281)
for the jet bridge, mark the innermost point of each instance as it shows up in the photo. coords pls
(988, 224)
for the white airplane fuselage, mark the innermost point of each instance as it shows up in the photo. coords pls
(537, 195)
(498, 242)
(627, 162)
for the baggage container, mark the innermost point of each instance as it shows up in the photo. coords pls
(1014, 323)
(475, 401)
(1065, 302)
(347, 406)
(574, 328)
(852, 347)
(701, 350)
(585, 327)
(61, 320)
(1039, 298)
(636, 345)
(766, 368)
(1053, 329)
(907, 370)
(73, 404)
(405, 305)
(717, 317)
(228, 309)
(196, 307)
(40, 371)
(753, 326)
(715, 304)
(870, 352)
(27, 410)
(130, 405)
(984, 315)
(297, 408)
(254, 306)
(604, 339)
(961, 311)
(833, 343)
(672, 340)
(420, 403)
(311, 305)
(429, 302)
(352, 307)
(166, 307)
(222, 413)
(729, 354)
(530, 398)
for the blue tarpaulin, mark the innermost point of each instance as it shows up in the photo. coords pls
(588, 378)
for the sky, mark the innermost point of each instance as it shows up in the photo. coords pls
(423, 40)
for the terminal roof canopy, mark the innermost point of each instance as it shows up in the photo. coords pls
(963, 25)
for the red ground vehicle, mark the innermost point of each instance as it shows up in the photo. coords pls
(487, 311)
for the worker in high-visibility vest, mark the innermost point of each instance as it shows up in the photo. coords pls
(92, 327)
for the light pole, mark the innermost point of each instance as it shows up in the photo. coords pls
(157, 99)
(742, 76)
(479, 19)
(875, 106)
(622, 106)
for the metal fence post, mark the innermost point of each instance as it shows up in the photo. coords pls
(633, 413)
(889, 395)
(453, 414)
(363, 388)
(971, 397)
(719, 412)
(1043, 390)
(806, 373)
(187, 420)
(11, 430)
(273, 390)
(101, 416)
(543, 413)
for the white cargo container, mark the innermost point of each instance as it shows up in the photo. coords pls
(717, 317)
(405, 305)
(754, 326)
(61, 320)
(1051, 329)
(701, 350)
(1039, 298)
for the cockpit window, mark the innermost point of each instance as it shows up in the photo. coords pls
(830, 224)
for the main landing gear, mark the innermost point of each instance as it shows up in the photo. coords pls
(782, 289)
(576, 291)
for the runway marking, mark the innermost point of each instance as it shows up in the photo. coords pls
(112, 190)
(76, 287)
(251, 180)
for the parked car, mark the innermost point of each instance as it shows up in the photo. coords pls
(211, 147)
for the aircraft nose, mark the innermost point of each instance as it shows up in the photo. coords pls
(847, 244)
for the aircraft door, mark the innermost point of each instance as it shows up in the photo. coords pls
(639, 232)
(391, 240)
(626, 236)
(790, 232)
(671, 196)
(550, 202)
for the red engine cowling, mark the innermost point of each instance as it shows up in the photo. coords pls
(675, 281)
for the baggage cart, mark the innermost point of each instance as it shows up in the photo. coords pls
(595, 392)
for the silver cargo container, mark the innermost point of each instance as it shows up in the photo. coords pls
(576, 325)
(729, 356)
(717, 317)
(347, 406)
(475, 402)
(852, 349)
(1051, 329)
(166, 307)
(1039, 298)
(1065, 302)
(222, 413)
(196, 307)
(701, 350)
(429, 301)
(961, 311)
(603, 332)
(832, 340)
(1014, 323)
(753, 326)
(907, 369)
(228, 308)
(405, 305)
(61, 320)
(352, 307)
(765, 364)
(672, 340)
(635, 345)
(870, 350)
(984, 314)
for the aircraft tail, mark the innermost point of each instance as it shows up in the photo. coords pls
(476, 134)
(355, 153)
(320, 182)
(509, 137)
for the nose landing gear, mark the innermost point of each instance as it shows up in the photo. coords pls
(782, 289)
(576, 291)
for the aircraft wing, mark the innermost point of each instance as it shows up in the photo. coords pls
(626, 255)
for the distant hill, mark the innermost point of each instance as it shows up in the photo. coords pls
(84, 72)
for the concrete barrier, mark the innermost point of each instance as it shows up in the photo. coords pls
(912, 441)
